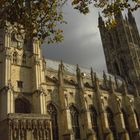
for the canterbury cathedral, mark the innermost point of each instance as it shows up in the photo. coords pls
(41, 99)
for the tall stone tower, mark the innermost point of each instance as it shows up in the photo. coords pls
(121, 45)
(21, 95)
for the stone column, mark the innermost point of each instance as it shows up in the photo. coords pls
(132, 121)
(105, 132)
(86, 123)
(118, 116)
(65, 124)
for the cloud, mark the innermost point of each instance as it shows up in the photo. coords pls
(82, 42)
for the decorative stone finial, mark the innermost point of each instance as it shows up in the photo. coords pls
(78, 69)
(96, 81)
(116, 81)
(124, 88)
(61, 66)
(91, 71)
(105, 79)
(111, 85)
(60, 73)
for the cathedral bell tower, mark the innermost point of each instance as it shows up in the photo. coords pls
(121, 44)
(21, 74)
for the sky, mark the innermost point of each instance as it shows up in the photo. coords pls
(82, 43)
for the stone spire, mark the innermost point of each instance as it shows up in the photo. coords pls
(111, 85)
(79, 77)
(116, 81)
(105, 79)
(61, 72)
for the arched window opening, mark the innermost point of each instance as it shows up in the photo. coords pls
(22, 105)
(24, 58)
(125, 69)
(117, 38)
(116, 68)
(111, 122)
(75, 122)
(15, 57)
(53, 113)
(126, 122)
(138, 118)
(93, 115)
(111, 40)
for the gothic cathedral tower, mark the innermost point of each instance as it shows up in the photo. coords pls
(121, 45)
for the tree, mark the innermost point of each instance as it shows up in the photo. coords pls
(108, 7)
(39, 18)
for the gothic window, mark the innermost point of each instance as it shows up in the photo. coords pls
(22, 105)
(75, 122)
(117, 38)
(24, 58)
(15, 57)
(93, 115)
(125, 69)
(20, 84)
(53, 113)
(111, 40)
(111, 122)
(116, 68)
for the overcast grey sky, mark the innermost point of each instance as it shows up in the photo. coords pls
(82, 43)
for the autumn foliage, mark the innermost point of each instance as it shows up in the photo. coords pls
(40, 18)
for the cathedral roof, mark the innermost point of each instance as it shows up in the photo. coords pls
(71, 69)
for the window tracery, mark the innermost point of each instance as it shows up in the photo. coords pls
(22, 105)
(53, 113)
(75, 122)
(93, 115)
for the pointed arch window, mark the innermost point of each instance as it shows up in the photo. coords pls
(111, 122)
(118, 39)
(53, 113)
(111, 40)
(75, 122)
(22, 105)
(116, 68)
(15, 57)
(93, 115)
(125, 69)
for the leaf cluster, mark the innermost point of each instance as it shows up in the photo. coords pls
(38, 18)
(108, 7)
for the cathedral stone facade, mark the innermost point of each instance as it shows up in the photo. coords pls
(122, 48)
(41, 99)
